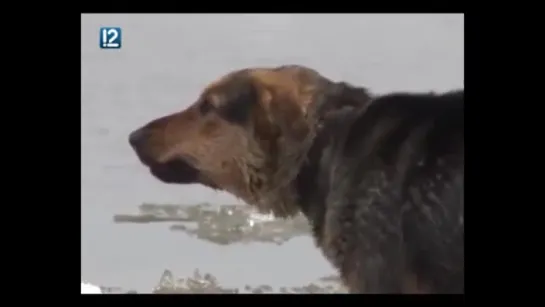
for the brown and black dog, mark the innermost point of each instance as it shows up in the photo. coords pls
(380, 179)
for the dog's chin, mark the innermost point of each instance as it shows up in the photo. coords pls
(179, 172)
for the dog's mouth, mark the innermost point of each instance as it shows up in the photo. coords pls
(174, 171)
(179, 171)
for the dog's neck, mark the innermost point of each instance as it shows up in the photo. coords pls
(295, 183)
(312, 182)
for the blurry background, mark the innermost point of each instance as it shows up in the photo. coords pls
(164, 62)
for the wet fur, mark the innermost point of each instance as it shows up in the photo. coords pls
(380, 179)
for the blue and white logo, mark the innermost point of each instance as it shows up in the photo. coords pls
(110, 38)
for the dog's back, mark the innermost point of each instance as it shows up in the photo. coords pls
(395, 200)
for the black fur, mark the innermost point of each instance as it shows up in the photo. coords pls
(384, 191)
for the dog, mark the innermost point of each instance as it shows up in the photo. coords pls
(379, 177)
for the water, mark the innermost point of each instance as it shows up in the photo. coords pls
(164, 63)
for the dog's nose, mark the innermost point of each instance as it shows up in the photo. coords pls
(137, 137)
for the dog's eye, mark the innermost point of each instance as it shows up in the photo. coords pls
(206, 106)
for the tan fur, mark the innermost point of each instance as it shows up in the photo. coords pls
(255, 163)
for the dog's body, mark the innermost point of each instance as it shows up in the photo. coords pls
(385, 196)
(379, 178)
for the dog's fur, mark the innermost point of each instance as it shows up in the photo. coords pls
(380, 179)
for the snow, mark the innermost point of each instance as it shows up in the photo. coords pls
(89, 288)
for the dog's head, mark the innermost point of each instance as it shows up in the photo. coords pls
(247, 134)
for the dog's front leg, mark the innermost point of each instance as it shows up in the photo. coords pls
(374, 261)
(363, 238)
(376, 267)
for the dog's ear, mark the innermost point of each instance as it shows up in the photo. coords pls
(287, 113)
(239, 102)
(342, 96)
